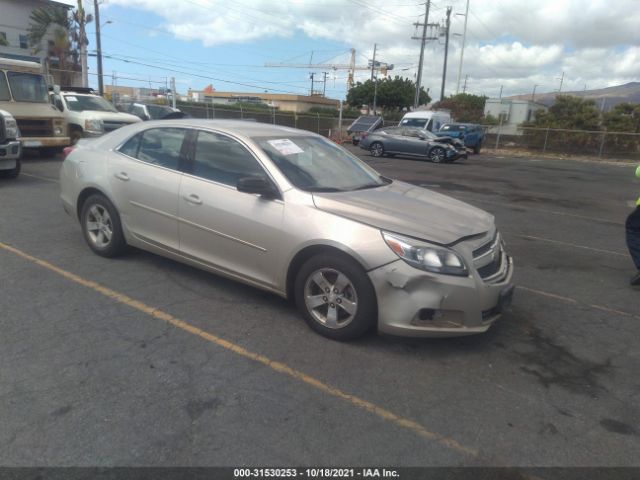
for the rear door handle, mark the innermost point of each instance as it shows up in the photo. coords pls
(193, 198)
(122, 176)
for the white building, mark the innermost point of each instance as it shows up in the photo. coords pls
(512, 113)
(14, 29)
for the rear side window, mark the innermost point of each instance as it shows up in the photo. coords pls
(223, 160)
(130, 147)
(160, 146)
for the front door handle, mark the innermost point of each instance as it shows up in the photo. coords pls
(193, 198)
(122, 176)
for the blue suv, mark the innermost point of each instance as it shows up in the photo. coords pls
(471, 133)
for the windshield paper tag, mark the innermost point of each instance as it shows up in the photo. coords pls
(70, 99)
(285, 146)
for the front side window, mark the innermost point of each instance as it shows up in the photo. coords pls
(223, 160)
(160, 146)
(315, 164)
(81, 103)
(4, 88)
(28, 87)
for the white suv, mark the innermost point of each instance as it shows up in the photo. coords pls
(89, 115)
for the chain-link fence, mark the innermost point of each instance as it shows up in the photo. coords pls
(316, 123)
(613, 145)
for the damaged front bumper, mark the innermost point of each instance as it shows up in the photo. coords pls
(416, 303)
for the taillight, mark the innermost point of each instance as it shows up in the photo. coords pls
(67, 150)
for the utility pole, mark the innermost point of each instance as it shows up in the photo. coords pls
(173, 91)
(373, 62)
(311, 75)
(464, 88)
(324, 83)
(375, 81)
(96, 14)
(446, 52)
(423, 41)
(500, 96)
(533, 95)
(561, 81)
(464, 39)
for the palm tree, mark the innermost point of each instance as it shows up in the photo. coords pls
(68, 38)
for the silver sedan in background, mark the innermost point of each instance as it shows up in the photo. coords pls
(291, 212)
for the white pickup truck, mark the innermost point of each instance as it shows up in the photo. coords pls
(10, 148)
(88, 114)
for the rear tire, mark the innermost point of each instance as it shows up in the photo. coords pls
(75, 134)
(50, 151)
(14, 172)
(101, 226)
(336, 297)
(376, 149)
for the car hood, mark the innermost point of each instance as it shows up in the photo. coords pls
(409, 210)
(110, 116)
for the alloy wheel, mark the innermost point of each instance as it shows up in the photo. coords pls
(330, 298)
(99, 226)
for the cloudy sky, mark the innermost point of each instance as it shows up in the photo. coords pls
(513, 44)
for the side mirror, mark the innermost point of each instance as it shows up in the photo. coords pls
(59, 105)
(258, 185)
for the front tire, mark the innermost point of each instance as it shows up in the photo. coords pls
(101, 226)
(336, 297)
(376, 149)
(437, 155)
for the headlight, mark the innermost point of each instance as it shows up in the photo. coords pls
(425, 256)
(11, 127)
(93, 125)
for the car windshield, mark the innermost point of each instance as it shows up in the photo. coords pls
(414, 122)
(80, 103)
(315, 164)
(158, 112)
(28, 87)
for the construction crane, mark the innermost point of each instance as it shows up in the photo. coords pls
(351, 67)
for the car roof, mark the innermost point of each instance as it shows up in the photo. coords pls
(238, 128)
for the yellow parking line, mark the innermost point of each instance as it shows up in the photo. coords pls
(370, 407)
(577, 302)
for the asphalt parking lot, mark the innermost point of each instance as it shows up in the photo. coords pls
(143, 361)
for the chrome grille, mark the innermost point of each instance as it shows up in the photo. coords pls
(31, 127)
(491, 261)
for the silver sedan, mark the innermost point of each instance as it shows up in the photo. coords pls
(290, 212)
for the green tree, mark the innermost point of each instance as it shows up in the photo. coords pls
(393, 94)
(570, 112)
(624, 117)
(68, 36)
(464, 107)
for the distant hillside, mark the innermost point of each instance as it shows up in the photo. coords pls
(612, 96)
